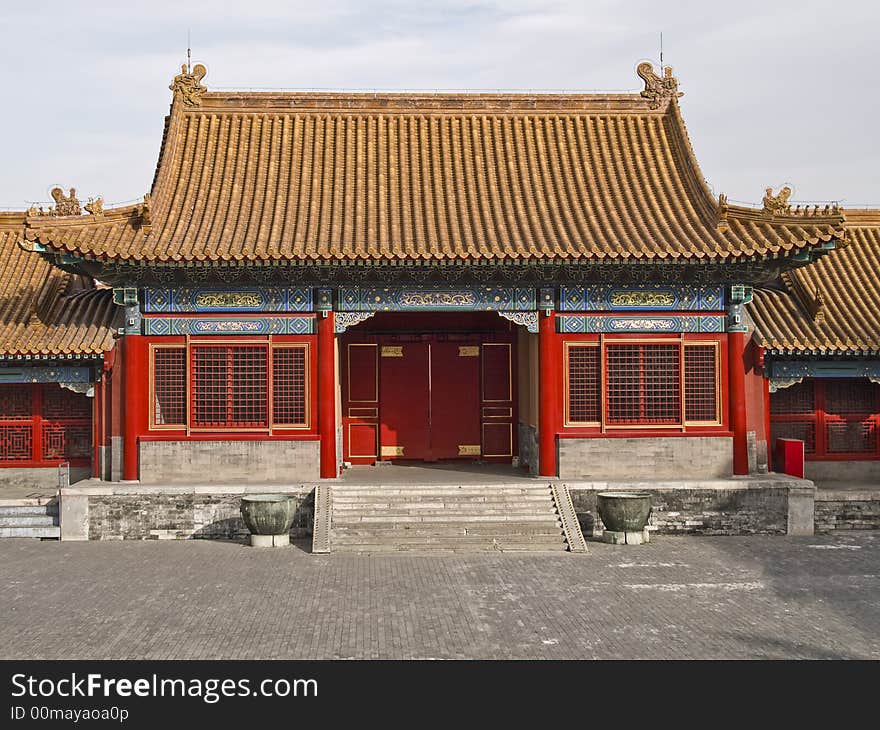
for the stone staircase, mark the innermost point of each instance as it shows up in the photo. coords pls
(510, 517)
(30, 520)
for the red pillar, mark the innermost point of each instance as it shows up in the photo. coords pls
(97, 425)
(135, 385)
(548, 394)
(327, 394)
(766, 383)
(736, 373)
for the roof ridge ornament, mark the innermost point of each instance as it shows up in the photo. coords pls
(658, 88)
(187, 84)
(95, 206)
(777, 204)
(64, 204)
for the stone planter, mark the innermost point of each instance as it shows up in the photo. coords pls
(268, 517)
(625, 516)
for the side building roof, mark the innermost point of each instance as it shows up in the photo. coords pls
(832, 305)
(45, 311)
(309, 176)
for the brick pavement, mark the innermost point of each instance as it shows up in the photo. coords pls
(679, 597)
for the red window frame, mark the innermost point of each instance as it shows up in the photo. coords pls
(51, 426)
(811, 411)
(634, 398)
(230, 386)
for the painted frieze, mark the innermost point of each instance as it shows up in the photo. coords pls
(256, 299)
(229, 326)
(580, 324)
(400, 299)
(649, 297)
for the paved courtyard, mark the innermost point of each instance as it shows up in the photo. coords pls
(679, 597)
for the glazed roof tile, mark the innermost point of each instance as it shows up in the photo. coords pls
(352, 176)
(832, 305)
(44, 310)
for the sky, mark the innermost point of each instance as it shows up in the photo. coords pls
(775, 92)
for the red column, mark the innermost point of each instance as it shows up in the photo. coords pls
(766, 383)
(327, 394)
(548, 394)
(135, 385)
(736, 374)
(97, 421)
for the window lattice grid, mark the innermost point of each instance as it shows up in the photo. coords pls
(700, 383)
(584, 384)
(850, 396)
(169, 386)
(15, 402)
(62, 404)
(66, 441)
(851, 436)
(797, 399)
(16, 443)
(643, 384)
(803, 430)
(229, 385)
(289, 386)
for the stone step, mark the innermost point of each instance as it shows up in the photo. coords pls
(451, 546)
(450, 510)
(29, 520)
(52, 532)
(440, 519)
(452, 528)
(421, 492)
(17, 510)
(469, 499)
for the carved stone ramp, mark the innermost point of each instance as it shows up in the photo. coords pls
(520, 516)
(570, 525)
(323, 516)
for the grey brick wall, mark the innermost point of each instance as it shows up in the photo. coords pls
(847, 509)
(229, 462)
(181, 516)
(864, 472)
(759, 510)
(43, 478)
(671, 457)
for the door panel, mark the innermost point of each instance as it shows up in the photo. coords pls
(404, 394)
(497, 401)
(455, 400)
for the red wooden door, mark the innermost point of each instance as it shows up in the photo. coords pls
(404, 409)
(455, 400)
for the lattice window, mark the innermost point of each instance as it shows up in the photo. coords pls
(169, 386)
(584, 384)
(851, 437)
(833, 416)
(643, 384)
(60, 404)
(15, 402)
(701, 383)
(289, 386)
(796, 399)
(846, 396)
(803, 430)
(16, 443)
(66, 441)
(229, 384)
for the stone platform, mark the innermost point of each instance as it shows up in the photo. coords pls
(761, 504)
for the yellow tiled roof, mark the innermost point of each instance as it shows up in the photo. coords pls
(832, 304)
(44, 310)
(324, 176)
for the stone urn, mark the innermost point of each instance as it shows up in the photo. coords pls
(625, 516)
(268, 517)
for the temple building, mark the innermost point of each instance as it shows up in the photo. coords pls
(324, 280)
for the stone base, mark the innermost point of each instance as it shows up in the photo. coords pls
(281, 540)
(626, 538)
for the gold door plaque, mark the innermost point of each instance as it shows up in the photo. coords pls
(392, 451)
(469, 351)
(468, 449)
(392, 351)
